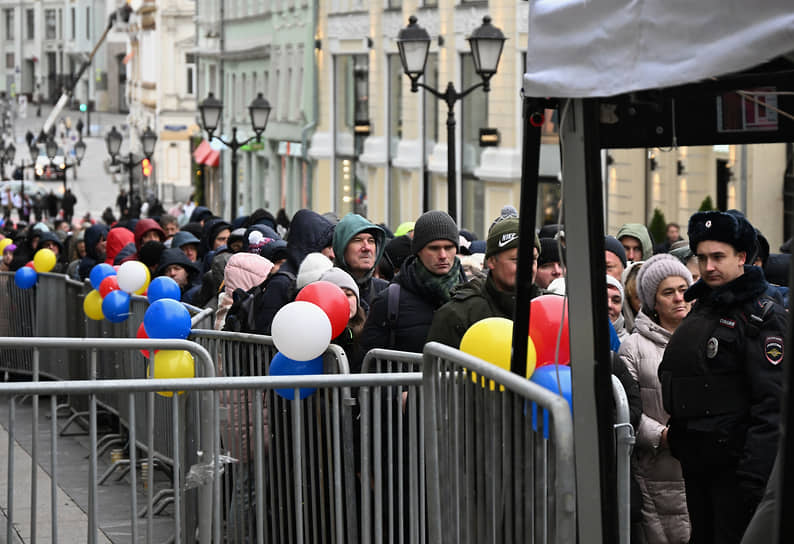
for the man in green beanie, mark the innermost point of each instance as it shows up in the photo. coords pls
(358, 246)
(494, 296)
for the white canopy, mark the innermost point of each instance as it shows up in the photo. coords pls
(589, 48)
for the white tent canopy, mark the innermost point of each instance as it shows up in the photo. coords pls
(596, 48)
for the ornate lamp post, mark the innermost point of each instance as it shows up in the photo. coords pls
(486, 42)
(211, 109)
(113, 141)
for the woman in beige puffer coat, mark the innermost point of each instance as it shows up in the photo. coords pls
(661, 284)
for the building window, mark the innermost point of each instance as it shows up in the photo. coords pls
(50, 24)
(88, 22)
(395, 114)
(190, 81)
(430, 79)
(9, 17)
(351, 86)
(474, 116)
(30, 16)
(9, 60)
(73, 12)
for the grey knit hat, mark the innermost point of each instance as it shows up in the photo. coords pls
(434, 225)
(339, 277)
(656, 269)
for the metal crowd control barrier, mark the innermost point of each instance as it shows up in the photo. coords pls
(624, 444)
(492, 475)
(281, 455)
(180, 412)
(391, 453)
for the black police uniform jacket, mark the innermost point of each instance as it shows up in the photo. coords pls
(721, 378)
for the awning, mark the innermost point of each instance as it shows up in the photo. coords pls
(204, 154)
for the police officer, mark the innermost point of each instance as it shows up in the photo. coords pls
(721, 380)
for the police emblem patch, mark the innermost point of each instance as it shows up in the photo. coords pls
(712, 346)
(773, 349)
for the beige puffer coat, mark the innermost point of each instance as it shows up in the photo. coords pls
(664, 513)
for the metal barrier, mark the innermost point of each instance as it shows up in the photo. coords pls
(624, 444)
(491, 474)
(391, 453)
(300, 494)
(207, 431)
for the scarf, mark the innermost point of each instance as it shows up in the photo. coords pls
(439, 286)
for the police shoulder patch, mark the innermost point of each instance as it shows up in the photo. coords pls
(773, 349)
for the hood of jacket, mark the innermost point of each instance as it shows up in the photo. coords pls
(118, 237)
(210, 231)
(308, 232)
(348, 227)
(651, 330)
(52, 237)
(244, 271)
(640, 232)
(145, 225)
(176, 256)
(199, 214)
(93, 235)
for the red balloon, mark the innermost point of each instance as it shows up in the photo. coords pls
(546, 311)
(108, 284)
(30, 264)
(142, 334)
(332, 300)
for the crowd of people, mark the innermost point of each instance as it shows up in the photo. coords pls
(697, 327)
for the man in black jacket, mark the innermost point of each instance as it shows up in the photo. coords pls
(721, 380)
(401, 321)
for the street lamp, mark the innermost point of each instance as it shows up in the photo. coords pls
(486, 42)
(113, 142)
(211, 109)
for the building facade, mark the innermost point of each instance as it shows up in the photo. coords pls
(244, 48)
(161, 93)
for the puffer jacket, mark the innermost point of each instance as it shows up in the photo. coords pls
(664, 511)
(243, 271)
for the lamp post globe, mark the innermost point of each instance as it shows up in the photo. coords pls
(113, 142)
(413, 43)
(486, 42)
(259, 110)
(210, 109)
(148, 141)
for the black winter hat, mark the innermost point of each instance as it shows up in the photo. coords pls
(612, 244)
(729, 227)
(434, 225)
(549, 251)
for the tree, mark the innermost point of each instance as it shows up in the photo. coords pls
(707, 205)
(658, 225)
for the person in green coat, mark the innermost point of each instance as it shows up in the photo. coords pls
(494, 296)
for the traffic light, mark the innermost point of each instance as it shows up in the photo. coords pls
(146, 167)
(83, 107)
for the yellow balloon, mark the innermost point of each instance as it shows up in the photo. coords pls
(491, 340)
(145, 286)
(5, 242)
(44, 260)
(92, 305)
(172, 364)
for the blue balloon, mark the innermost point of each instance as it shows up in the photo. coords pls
(281, 365)
(99, 273)
(25, 277)
(116, 306)
(167, 318)
(546, 376)
(163, 287)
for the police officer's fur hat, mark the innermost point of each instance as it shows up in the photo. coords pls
(729, 227)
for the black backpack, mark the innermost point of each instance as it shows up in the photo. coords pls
(241, 316)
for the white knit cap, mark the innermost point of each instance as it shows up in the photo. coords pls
(616, 284)
(656, 269)
(311, 268)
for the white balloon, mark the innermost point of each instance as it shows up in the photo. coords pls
(301, 330)
(131, 276)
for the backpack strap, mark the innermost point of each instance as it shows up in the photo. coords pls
(392, 311)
